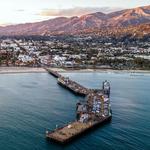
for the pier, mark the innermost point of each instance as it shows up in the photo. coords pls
(93, 111)
(73, 86)
(53, 73)
(75, 129)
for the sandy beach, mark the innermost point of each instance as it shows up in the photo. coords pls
(100, 70)
(5, 70)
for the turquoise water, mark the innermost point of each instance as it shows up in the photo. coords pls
(32, 103)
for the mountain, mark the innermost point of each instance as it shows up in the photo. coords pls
(99, 20)
(138, 31)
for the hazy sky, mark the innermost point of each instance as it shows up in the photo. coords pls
(21, 11)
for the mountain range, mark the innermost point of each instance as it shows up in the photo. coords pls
(98, 20)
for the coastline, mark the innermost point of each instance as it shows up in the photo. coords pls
(61, 70)
(10, 70)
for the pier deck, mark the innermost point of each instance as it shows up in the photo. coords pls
(96, 110)
(71, 131)
(73, 86)
(53, 73)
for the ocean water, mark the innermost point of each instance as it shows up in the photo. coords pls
(31, 103)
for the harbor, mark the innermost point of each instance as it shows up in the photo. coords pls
(93, 111)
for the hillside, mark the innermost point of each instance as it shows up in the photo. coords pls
(63, 25)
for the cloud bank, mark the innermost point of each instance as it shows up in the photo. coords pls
(77, 11)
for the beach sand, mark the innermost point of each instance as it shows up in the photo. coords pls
(99, 70)
(5, 70)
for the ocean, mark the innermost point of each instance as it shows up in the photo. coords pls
(31, 103)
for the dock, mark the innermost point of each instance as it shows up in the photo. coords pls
(93, 111)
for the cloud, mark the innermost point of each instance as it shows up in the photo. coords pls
(5, 24)
(20, 10)
(77, 11)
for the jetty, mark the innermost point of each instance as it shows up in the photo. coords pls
(93, 111)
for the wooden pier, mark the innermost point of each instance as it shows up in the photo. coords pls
(73, 86)
(96, 110)
(67, 133)
(53, 73)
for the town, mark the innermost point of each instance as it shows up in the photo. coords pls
(77, 52)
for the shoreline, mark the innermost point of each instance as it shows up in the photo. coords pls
(11, 70)
(61, 70)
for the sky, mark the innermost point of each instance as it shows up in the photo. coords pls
(23, 11)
